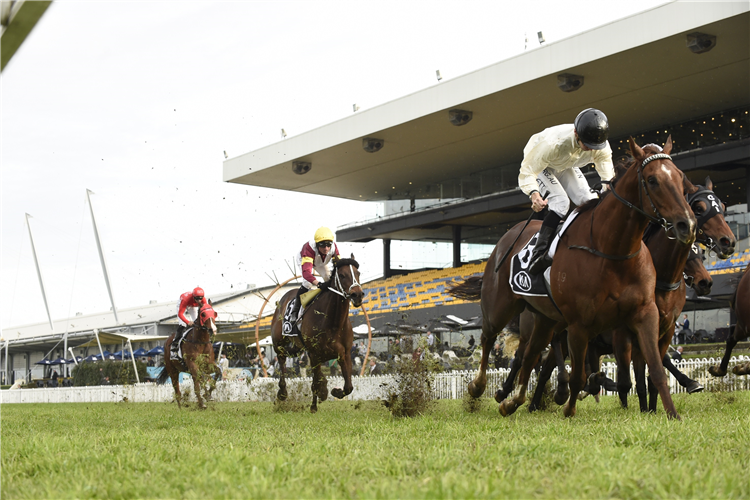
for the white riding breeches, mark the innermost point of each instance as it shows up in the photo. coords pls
(563, 187)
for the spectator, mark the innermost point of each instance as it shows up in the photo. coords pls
(54, 379)
(499, 361)
(471, 342)
(677, 355)
(417, 355)
(333, 365)
(224, 365)
(676, 335)
(685, 333)
(150, 361)
(375, 368)
(353, 354)
(102, 379)
(430, 341)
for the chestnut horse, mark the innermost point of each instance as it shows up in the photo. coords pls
(741, 330)
(325, 332)
(197, 357)
(670, 258)
(601, 277)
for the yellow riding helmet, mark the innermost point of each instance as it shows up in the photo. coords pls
(323, 234)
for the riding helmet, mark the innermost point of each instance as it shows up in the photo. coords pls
(323, 234)
(592, 128)
(198, 292)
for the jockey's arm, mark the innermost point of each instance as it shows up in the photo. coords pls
(604, 167)
(181, 312)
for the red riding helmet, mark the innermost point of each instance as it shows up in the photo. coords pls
(198, 293)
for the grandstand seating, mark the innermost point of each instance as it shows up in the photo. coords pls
(734, 264)
(415, 290)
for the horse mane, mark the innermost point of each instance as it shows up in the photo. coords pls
(345, 262)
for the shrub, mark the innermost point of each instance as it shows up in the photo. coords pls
(119, 373)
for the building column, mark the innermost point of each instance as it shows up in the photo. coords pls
(747, 189)
(387, 258)
(456, 246)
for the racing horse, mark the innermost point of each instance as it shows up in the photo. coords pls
(677, 266)
(741, 330)
(325, 331)
(197, 357)
(601, 277)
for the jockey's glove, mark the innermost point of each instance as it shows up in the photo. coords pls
(323, 286)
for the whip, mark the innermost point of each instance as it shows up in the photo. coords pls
(519, 235)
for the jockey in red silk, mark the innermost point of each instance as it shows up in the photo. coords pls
(190, 303)
(315, 255)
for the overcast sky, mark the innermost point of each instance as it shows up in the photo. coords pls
(137, 101)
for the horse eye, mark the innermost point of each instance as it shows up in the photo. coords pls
(652, 180)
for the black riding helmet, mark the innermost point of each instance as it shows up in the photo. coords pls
(592, 128)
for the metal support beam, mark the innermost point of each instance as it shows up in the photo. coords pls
(39, 274)
(456, 246)
(387, 258)
(101, 257)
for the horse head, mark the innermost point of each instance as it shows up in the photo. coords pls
(695, 273)
(661, 183)
(713, 231)
(207, 317)
(346, 280)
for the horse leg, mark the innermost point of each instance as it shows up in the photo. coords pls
(194, 372)
(577, 346)
(345, 362)
(647, 330)
(490, 329)
(639, 369)
(515, 367)
(174, 376)
(563, 379)
(281, 395)
(721, 369)
(317, 374)
(548, 365)
(623, 347)
(540, 338)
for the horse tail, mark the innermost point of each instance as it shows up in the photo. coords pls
(163, 376)
(470, 289)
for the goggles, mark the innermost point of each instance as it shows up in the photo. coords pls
(325, 244)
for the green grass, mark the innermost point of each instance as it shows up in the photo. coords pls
(357, 450)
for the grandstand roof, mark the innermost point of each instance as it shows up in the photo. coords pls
(637, 63)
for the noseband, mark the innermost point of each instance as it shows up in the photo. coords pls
(338, 288)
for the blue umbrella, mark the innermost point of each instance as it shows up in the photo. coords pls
(121, 355)
(156, 351)
(44, 362)
(140, 353)
(60, 361)
(91, 358)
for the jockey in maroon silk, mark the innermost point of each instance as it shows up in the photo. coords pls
(315, 255)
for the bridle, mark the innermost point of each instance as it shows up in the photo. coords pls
(658, 219)
(694, 255)
(338, 288)
(714, 208)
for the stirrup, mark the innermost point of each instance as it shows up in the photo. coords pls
(540, 264)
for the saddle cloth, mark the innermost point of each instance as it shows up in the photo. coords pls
(523, 283)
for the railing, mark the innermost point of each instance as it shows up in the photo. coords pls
(449, 385)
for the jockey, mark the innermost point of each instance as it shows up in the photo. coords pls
(552, 161)
(189, 303)
(315, 255)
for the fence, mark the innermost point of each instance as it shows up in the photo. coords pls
(450, 385)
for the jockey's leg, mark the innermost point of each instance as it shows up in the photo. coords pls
(174, 348)
(289, 328)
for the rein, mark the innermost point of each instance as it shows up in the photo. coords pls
(661, 221)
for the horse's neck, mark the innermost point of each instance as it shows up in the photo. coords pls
(669, 257)
(618, 229)
(199, 334)
(339, 310)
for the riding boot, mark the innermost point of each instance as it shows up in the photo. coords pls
(539, 258)
(289, 327)
(174, 348)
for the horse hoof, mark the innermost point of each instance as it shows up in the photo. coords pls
(569, 411)
(281, 396)
(507, 408)
(742, 369)
(500, 396)
(337, 393)
(475, 391)
(313, 409)
(694, 386)
(561, 397)
(716, 371)
(532, 407)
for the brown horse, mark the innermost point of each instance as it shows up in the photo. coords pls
(670, 258)
(325, 333)
(601, 277)
(197, 357)
(741, 330)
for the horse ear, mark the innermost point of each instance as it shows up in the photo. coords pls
(687, 186)
(668, 146)
(709, 184)
(353, 257)
(635, 149)
(210, 302)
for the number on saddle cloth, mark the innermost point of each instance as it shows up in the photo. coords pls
(521, 281)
